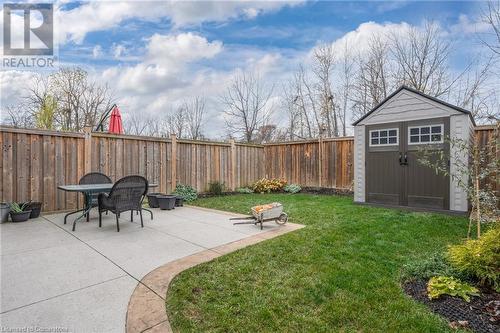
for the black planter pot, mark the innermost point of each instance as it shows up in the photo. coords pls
(152, 199)
(35, 207)
(179, 201)
(21, 216)
(166, 202)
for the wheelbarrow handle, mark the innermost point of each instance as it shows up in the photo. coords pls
(249, 222)
(242, 218)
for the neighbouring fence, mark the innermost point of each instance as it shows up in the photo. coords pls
(485, 136)
(34, 162)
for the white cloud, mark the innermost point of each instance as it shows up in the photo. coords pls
(185, 13)
(97, 51)
(384, 6)
(168, 74)
(358, 40)
(264, 64)
(179, 49)
(118, 50)
(74, 24)
(177, 67)
(467, 25)
(13, 85)
(166, 58)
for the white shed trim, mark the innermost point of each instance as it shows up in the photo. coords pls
(359, 163)
(460, 128)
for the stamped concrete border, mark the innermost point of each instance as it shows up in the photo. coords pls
(146, 309)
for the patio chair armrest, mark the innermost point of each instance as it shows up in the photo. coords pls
(104, 201)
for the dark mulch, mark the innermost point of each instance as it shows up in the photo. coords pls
(211, 195)
(457, 310)
(327, 191)
(310, 190)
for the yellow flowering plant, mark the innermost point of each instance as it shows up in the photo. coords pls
(265, 185)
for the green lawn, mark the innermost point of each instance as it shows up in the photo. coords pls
(339, 274)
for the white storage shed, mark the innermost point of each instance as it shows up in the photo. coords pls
(386, 140)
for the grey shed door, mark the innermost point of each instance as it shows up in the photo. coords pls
(393, 174)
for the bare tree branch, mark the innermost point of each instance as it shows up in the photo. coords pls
(422, 56)
(247, 106)
(491, 16)
(194, 117)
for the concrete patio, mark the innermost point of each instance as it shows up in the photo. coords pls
(53, 278)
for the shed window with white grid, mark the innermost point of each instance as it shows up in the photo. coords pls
(428, 134)
(384, 137)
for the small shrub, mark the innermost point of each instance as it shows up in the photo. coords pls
(265, 185)
(440, 285)
(292, 188)
(18, 208)
(186, 192)
(479, 257)
(216, 188)
(433, 265)
(244, 190)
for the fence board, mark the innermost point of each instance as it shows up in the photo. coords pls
(298, 163)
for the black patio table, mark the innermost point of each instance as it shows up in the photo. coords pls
(88, 190)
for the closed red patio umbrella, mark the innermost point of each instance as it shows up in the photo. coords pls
(115, 122)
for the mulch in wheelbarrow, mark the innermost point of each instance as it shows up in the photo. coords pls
(480, 314)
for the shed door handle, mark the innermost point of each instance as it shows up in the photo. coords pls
(401, 161)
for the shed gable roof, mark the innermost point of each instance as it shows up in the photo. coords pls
(407, 101)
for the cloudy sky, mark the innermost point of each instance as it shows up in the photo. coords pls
(156, 54)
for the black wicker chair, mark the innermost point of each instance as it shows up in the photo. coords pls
(126, 194)
(94, 178)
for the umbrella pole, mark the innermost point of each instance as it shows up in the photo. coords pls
(99, 127)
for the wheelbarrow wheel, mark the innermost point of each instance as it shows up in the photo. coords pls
(282, 219)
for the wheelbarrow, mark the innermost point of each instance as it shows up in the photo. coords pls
(264, 213)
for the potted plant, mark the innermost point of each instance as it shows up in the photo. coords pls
(35, 207)
(166, 202)
(17, 212)
(4, 212)
(153, 199)
(179, 201)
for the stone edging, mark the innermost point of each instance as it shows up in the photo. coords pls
(146, 309)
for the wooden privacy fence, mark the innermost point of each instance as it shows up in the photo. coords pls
(314, 163)
(168, 162)
(35, 162)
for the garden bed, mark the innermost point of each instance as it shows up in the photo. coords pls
(472, 315)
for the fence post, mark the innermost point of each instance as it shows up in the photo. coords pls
(233, 164)
(88, 149)
(320, 162)
(173, 166)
